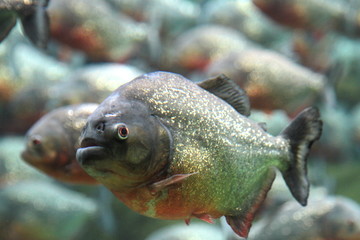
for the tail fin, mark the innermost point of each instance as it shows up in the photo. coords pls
(335, 74)
(302, 132)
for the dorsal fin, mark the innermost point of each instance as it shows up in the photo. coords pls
(224, 88)
(263, 126)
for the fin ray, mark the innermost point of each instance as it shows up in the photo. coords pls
(302, 132)
(158, 186)
(224, 88)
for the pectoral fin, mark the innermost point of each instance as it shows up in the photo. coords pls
(158, 186)
(224, 88)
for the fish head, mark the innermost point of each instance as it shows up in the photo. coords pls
(47, 147)
(123, 145)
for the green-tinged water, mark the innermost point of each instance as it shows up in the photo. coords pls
(347, 179)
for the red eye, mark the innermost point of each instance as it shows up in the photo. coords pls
(36, 141)
(123, 132)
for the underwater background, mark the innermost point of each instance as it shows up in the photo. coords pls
(287, 55)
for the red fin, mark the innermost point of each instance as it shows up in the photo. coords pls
(205, 217)
(240, 225)
(187, 221)
(158, 186)
(241, 222)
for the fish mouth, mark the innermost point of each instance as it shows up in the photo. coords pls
(90, 151)
(25, 155)
(32, 158)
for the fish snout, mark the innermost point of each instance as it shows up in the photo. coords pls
(90, 151)
(88, 142)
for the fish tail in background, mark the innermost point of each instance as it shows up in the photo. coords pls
(37, 25)
(335, 73)
(107, 218)
(153, 39)
(7, 22)
(302, 132)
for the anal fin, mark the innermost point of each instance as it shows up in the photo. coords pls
(239, 225)
(240, 222)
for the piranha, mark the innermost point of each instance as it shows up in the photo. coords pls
(33, 16)
(172, 149)
(52, 141)
(112, 37)
(197, 47)
(326, 218)
(267, 76)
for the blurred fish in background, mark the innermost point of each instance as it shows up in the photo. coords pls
(332, 217)
(196, 48)
(289, 54)
(52, 142)
(247, 19)
(337, 15)
(24, 82)
(43, 211)
(90, 83)
(33, 17)
(271, 80)
(95, 28)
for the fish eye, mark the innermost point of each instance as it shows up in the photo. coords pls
(122, 132)
(35, 141)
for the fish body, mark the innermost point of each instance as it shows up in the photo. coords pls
(173, 19)
(201, 45)
(52, 142)
(112, 37)
(169, 149)
(33, 18)
(330, 217)
(25, 83)
(30, 208)
(254, 25)
(271, 80)
(338, 15)
(92, 83)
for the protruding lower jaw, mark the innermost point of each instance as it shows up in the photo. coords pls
(85, 155)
